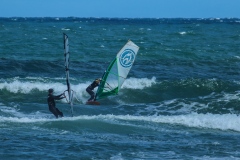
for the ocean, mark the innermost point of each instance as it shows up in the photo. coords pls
(179, 101)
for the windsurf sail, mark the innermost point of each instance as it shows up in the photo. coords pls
(117, 71)
(66, 55)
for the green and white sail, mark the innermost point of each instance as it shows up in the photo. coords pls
(117, 71)
(66, 55)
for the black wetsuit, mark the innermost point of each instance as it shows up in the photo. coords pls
(90, 89)
(52, 106)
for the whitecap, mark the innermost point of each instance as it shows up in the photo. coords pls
(182, 33)
(238, 57)
(139, 83)
(65, 29)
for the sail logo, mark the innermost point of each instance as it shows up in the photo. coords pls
(126, 58)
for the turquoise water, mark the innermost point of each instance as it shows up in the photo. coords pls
(180, 100)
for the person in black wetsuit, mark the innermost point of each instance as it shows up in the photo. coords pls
(51, 103)
(91, 87)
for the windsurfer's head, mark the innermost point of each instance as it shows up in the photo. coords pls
(99, 80)
(50, 90)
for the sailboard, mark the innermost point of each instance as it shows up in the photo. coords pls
(117, 71)
(93, 103)
(66, 55)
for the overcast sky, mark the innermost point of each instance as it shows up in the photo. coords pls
(121, 8)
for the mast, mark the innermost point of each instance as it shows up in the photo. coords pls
(66, 55)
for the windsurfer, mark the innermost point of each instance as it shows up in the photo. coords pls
(91, 87)
(51, 103)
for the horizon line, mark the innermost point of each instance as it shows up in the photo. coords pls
(120, 17)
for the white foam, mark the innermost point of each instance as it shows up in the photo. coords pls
(117, 157)
(238, 57)
(65, 29)
(25, 86)
(210, 121)
(29, 84)
(139, 83)
(182, 33)
(17, 86)
(24, 119)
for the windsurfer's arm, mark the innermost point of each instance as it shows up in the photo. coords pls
(61, 96)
